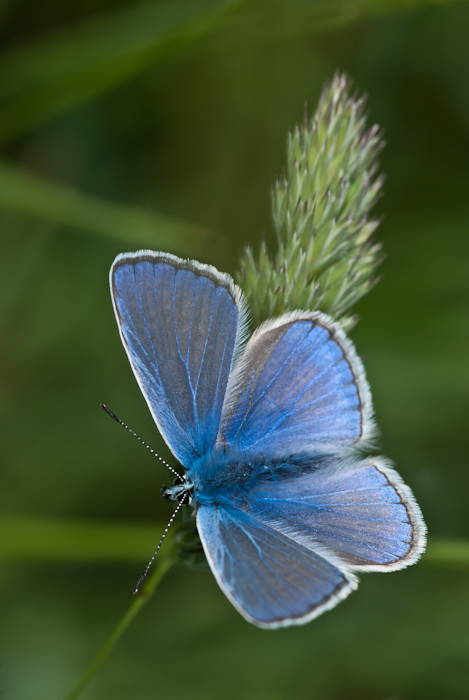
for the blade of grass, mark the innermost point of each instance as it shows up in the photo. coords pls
(31, 195)
(60, 71)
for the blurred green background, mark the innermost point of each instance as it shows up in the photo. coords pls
(163, 124)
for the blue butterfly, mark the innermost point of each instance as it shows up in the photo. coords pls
(268, 432)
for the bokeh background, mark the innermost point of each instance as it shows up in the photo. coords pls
(163, 124)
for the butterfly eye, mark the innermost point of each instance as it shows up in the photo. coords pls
(178, 481)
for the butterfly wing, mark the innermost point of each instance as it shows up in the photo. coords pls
(360, 512)
(298, 383)
(180, 324)
(272, 579)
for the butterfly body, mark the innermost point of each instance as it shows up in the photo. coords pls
(219, 478)
(270, 434)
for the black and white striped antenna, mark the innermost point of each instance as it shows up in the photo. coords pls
(147, 569)
(182, 502)
(118, 420)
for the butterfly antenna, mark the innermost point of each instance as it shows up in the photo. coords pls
(139, 582)
(118, 420)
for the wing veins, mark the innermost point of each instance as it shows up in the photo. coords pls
(251, 403)
(340, 512)
(288, 412)
(185, 363)
(348, 539)
(280, 369)
(143, 317)
(287, 415)
(219, 376)
(206, 340)
(262, 559)
(181, 412)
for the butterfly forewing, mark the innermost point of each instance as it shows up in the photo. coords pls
(179, 324)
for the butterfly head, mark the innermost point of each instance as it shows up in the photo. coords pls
(180, 491)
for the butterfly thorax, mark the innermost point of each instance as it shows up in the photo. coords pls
(212, 482)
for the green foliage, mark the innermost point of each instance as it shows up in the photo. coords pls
(326, 258)
(60, 71)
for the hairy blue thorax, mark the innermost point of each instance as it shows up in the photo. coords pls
(221, 478)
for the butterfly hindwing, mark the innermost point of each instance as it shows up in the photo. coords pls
(273, 580)
(179, 322)
(361, 512)
(298, 383)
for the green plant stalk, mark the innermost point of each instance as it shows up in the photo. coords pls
(141, 598)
